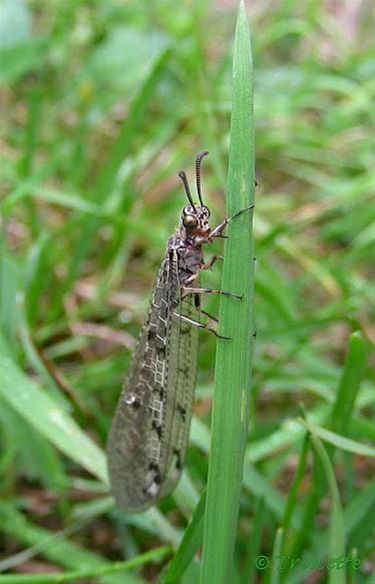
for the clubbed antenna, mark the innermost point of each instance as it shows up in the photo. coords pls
(182, 176)
(198, 162)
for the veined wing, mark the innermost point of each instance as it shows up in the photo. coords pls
(182, 373)
(150, 428)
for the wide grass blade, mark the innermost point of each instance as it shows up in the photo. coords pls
(233, 361)
(46, 416)
(56, 547)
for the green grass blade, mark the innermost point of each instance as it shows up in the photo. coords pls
(350, 381)
(9, 282)
(40, 410)
(291, 501)
(336, 526)
(253, 480)
(154, 555)
(340, 441)
(308, 512)
(188, 547)
(275, 573)
(233, 362)
(254, 542)
(356, 515)
(25, 187)
(56, 547)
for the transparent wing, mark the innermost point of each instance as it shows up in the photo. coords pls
(149, 433)
(183, 354)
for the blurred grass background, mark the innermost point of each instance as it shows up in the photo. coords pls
(102, 103)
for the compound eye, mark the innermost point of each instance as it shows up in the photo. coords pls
(190, 221)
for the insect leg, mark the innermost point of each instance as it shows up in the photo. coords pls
(197, 303)
(212, 261)
(209, 315)
(187, 290)
(193, 322)
(218, 231)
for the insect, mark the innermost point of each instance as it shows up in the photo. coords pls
(150, 429)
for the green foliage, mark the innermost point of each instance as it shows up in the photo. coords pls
(104, 102)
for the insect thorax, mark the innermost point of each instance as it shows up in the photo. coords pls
(190, 257)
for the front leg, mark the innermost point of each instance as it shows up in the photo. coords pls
(218, 231)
